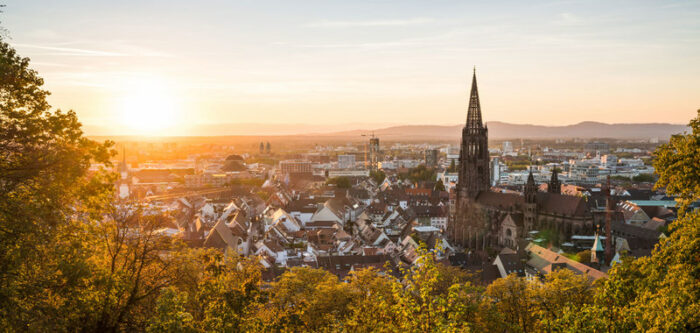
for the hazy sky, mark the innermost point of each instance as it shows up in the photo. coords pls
(141, 66)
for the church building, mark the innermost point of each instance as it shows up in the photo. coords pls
(486, 218)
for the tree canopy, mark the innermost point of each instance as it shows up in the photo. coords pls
(678, 165)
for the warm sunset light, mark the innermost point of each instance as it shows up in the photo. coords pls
(370, 62)
(148, 107)
(349, 166)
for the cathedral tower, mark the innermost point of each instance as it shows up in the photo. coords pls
(474, 153)
(554, 185)
(530, 213)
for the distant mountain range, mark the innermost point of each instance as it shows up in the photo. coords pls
(497, 130)
(501, 130)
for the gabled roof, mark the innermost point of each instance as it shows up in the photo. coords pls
(320, 225)
(220, 237)
(633, 231)
(654, 224)
(543, 260)
(511, 263)
(272, 245)
(302, 206)
(502, 201)
(517, 218)
(237, 230)
(560, 204)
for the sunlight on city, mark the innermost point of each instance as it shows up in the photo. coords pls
(349, 166)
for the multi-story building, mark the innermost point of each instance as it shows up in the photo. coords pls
(348, 173)
(596, 148)
(296, 166)
(507, 147)
(495, 171)
(431, 158)
(346, 161)
(374, 153)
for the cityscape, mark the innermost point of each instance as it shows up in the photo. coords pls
(415, 220)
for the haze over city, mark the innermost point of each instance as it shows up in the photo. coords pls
(165, 67)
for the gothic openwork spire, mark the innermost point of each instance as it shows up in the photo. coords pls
(474, 150)
(474, 112)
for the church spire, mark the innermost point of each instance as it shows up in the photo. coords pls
(530, 188)
(474, 112)
(554, 185)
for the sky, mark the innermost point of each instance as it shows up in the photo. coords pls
(164, 67)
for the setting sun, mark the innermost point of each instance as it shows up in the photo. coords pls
(148, 106)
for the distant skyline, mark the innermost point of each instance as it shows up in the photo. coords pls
(162, 67)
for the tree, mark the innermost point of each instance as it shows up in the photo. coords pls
(170, 315)
(371, 293)
(229, 293)
(307, 299)
(643, 178)
(562, 290)
(659, 293)
(453, 166)
(419, 173)
(584, 256)
(129, 270)
(340, 182)
(45, 189)
(508, 302)
(377, 175)
(439, 186)
(435, 298)
(678, 165)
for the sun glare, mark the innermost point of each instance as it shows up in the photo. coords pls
(148, 107)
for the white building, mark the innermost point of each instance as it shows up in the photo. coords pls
(495, 171)
(346, 161)
(608, 160)
(507, 147)
(348, 173)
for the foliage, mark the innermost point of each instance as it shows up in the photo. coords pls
(548, 237)
(439, 186)
(339, 182)
(453, 166)
(377, 175)
(660, 293)
(584, 256)
(171, 315)
(644, 178)
(678, 165)
(44, 189)
(418, 174)
(621, 178)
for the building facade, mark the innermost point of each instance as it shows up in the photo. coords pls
(489, 219)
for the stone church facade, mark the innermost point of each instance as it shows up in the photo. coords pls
(484, 218)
